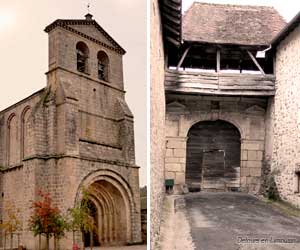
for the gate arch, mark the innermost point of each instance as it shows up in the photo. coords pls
(213, 156)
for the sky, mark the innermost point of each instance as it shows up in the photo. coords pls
(287, 8)
(24, 51)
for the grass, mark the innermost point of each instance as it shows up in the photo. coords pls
(284, 207)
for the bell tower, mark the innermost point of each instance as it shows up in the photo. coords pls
(81, 47)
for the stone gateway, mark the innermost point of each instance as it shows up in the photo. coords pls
(75, 133)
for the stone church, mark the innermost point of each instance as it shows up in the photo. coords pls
(224, 101)
(76, 132)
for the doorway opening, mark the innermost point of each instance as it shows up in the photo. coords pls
(213, 157)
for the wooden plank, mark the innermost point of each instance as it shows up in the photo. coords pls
(219, 92)
(191, 78)
(183, 57)
(223, 74)
(197, 85)
(218, 60)
(171, 29)
(255, 62)
(172, 40)
(246, 87)
(220, 81)
(174, 6)
(219, 84)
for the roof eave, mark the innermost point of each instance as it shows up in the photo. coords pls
(286, 30)
(171, 21)
(62, 23)
(227, 44)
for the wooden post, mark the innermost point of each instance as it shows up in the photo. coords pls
(4, 240)
(91, 239)
(47, 241)
(40, 242)
(256, 62)
(183, 57)
(73, 237)
(11, 241)
(218, 60)
(55, 241)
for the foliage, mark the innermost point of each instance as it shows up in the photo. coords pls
(60, 225)
(12, 223)
(46, 218)
(81, 218)
(271, 187)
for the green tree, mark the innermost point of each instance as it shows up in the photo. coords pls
(60, 226)
(81, 217)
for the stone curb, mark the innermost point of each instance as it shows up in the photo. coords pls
(179, 203)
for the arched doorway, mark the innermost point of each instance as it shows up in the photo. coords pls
(213, 156)
(87, 236)
(110, 212)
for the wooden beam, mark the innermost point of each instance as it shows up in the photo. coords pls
(183, 57)
(172, 19)
(174, 6)
(173, 41)
(218, 60)
(171, 29)
(256, 62)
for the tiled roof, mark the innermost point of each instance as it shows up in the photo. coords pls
(231, 24)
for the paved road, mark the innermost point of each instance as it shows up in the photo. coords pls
(217, 221)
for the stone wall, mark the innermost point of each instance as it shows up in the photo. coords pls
(13, 130)
(157, 121)
(285, 119)
(79, 134)
(246, 114)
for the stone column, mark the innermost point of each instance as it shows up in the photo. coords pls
(251, 165)
(175, 161)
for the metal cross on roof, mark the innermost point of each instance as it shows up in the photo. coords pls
(88, 7)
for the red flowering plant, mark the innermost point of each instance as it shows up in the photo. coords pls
(46, 219)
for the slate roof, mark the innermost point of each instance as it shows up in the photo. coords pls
(65, 23)
(231, 24)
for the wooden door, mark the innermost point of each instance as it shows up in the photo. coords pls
(213, 170)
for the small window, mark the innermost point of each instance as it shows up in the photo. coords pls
(82, 52)
(103, 66)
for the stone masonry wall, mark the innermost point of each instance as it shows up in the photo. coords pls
(16, 111)
(157, 130)
(285, 119)
(80, 130)
(247, 114)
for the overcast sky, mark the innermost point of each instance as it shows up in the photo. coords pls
(24, 50)
(287, 8)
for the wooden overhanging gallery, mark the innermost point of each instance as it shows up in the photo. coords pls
(211, 59)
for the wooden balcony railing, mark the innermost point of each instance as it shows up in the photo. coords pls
(219, 83)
